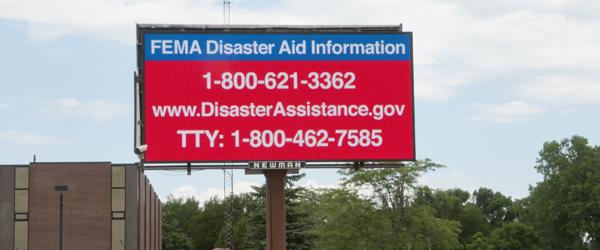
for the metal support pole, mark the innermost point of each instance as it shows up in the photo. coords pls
(61, 221)
(275, 189)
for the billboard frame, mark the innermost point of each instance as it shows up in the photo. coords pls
(139, 86)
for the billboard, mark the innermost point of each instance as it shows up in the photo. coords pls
(254, 94)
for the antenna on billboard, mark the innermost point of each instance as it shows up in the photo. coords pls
(228, 173)
(228, 238)
(226, 9)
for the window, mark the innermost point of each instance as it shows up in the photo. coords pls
(21, 216)
(21, 235)
(118, 234)
(21, 178)
(118, 177)
(21, 201)
(21, 208)
(118, 200)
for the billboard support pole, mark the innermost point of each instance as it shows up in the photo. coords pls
(275, 189)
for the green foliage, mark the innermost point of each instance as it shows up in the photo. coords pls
(463, 195)
(346, 221)
(515, 236)
(453, 205)
(177, 214)
(240, 224)
(298, 221)
(180, 210)
(387, 209)
(494, 205)
(174, 238)
(510, 236)
(520, 209)
(473, 221)
(479, 242)
(206, 225)
(565, 207)
(397, 214)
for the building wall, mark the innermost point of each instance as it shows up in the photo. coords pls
(151, 224)
(148, 223)
(142, 212)
(87, 209)
(7, 207)
(131, 203)
(91, 220)
(151, 205)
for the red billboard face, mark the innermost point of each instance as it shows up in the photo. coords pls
(257, 97)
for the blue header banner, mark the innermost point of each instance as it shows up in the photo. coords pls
(277, 47)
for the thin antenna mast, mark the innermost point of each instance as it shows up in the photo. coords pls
(228, 240)
(226, 9)
(228, 236)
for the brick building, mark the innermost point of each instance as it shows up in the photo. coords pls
(106, 206)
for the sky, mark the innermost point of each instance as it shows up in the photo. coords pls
(493, 81)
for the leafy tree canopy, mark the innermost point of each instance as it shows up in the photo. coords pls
(565, 206)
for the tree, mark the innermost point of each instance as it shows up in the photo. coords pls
(346, 221)
(256, 236)
(462, 194)
(515, 236)
(479, 242)
(176, 217)
(241, 206)
(407, 220)
(174, 237)
(510, 236)
(298, 222)
(494, 205)
(452, 204)
(565, 206)
(206, 225)
(472, 221)
(447, 206)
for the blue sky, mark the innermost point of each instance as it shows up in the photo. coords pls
(494, 80)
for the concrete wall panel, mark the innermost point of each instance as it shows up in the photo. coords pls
(151, 215)
(7, 184)
(142, 213)
(160, 224)
(7, 207)
(147, 217)
(156, 223)
(131, 207)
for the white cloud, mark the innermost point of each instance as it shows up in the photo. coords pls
(100, 110)
(566, 112)
(440, 83)
(4, 106)
(505, 113)
(312, 184)
(112, 20)
(457, 43)
(191, 191)
(26, 138)
(454, 180)
(564, 89)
